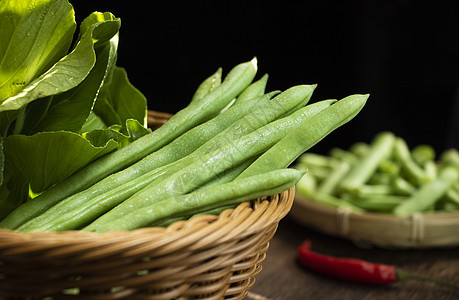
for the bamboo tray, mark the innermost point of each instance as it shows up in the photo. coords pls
(418, 231)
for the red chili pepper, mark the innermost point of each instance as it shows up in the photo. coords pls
(355, 270)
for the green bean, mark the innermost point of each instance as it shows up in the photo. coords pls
(380, 178)
(452, 196)
(308, 134)
(360, 173)
(256, 89)
(367, 190)
(428, 194)
(142, 173)
(389, 166)
(422, 154)
(208, 85)
(320, 173)
(329, 184)
(229, 174)
(195, 113)
(265, 113)
(402, 187)
(413, 171)
(360, 148)
(378, 203)
(333, 201)
(431, 169)
(206, 198)
(314, 159)
(80, 217)
(343, 155)
(307, 185)
(68, 216)
(450, 157)
(207, 166)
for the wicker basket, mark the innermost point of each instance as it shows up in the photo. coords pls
(429, 230)
(207, 257)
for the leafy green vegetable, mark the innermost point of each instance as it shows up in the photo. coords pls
(69, 110)
(62, 106)
(38, 157)
(112, 106)
(36, 34)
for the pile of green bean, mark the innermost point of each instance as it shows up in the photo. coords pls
(383, 176)
(232, 143)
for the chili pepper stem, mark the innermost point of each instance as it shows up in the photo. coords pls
(402, 275)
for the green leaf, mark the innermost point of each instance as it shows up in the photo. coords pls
(93, 122)
(13, 192)
(67, 73)
(2, 161)
(49, 157)
(69, 110)
(119, 101)
(101, 136)
(34, 35)
(123, 135)
(136, 130)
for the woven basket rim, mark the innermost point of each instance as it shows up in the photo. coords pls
(416, 231)
(207, 256)
(247, 218)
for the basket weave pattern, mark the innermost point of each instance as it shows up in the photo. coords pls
(207, 257)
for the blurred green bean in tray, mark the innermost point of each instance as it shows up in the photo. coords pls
(383, 176)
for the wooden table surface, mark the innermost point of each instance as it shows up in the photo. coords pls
(282, 277)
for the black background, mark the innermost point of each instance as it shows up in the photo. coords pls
(404, 53)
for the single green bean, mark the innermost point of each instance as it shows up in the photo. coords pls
(413, 172)
(299, 140)
(389, 166)
(361, 172)
(306, 186)
(380, 178)
(195, 113)
(450, 157)
(208, 85)
(426, 196)
(339, 171)
(315, 159)
(343, 155)
(422, 154)
(359, 148)
(333, 201)
(431, 169)
(256, 89)
(207, 198)
(378, 203)
(367, 190)
(402, 187)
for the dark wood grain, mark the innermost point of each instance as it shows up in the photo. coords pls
(283, 278)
